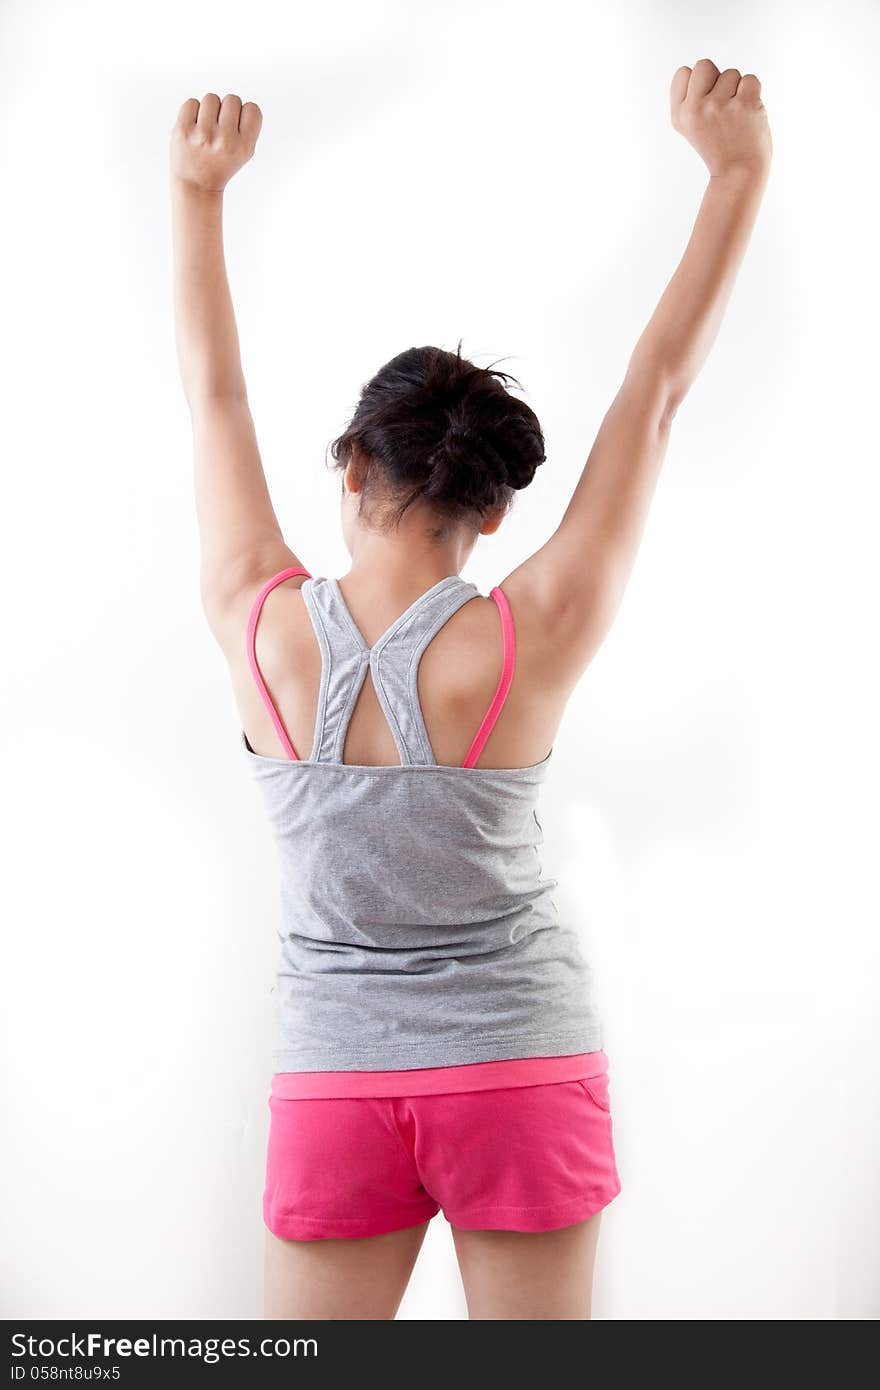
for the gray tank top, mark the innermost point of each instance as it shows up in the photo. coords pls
(416, 927)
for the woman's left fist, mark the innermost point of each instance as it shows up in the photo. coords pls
(212, 139)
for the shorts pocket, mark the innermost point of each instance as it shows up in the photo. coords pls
(596, 1088)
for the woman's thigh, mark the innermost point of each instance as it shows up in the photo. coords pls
(529, 1275)
(358, 1278)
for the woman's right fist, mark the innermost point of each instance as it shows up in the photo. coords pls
(211, 140)
(721, 114)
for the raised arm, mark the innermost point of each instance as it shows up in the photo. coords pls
(571, 588)
(241, 540)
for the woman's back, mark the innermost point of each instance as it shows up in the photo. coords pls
(417, 928)
(457, 676)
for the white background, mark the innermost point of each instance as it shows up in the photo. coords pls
(504, 173)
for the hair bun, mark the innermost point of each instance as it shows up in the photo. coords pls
(434, 426)
(506, 470)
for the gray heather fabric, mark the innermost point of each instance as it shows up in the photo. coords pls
(417, 929)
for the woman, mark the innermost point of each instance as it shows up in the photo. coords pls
(436, 1045)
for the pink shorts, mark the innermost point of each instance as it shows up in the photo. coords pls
(524, 1158)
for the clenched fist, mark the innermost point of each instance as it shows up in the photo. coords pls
(721, 114)
(211, 140)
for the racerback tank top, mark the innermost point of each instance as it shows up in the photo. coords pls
(417, 930)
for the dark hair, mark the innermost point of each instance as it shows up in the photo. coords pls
(431, 424)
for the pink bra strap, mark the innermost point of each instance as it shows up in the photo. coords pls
(500, 695)
(253, 619)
